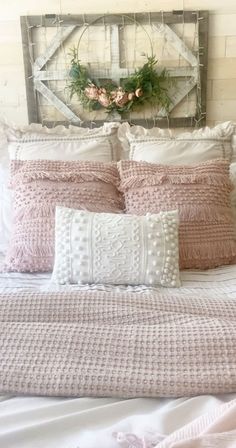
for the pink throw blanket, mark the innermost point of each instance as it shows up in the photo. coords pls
(117, 344)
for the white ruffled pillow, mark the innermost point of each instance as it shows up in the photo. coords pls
(116, 249)
(162, 146)
(61, 143)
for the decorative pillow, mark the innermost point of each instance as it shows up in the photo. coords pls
(159, 146)
(201, 193)
(41, 185)
(36, 142)
(116, 249)
(233, 193)
(233, 142)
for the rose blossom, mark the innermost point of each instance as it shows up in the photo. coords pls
(138, 92)
(91, 92)
(103, 98)
(121, 97)
(131, 96)
(113, 94)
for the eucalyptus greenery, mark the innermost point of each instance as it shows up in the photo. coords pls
(146, 86)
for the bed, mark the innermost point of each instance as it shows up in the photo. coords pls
(82, 422)
(90, 421)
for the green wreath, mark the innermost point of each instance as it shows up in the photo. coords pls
(144, 87)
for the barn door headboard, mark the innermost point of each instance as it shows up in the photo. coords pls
(113, 46)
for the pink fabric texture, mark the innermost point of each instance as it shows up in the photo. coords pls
(201, 193)
(41, 185)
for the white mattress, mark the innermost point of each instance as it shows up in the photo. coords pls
(39, 422)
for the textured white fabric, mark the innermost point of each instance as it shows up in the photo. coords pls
(116, 249)
(157, 146)
(36, 422)
(220, 280)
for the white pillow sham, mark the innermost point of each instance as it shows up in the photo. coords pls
(188, 148)
(116, 249)
(61, 143)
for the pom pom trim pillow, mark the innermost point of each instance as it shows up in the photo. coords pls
(116, 249)
(39, 186)
(200, 193)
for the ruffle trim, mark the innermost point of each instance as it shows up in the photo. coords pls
(12, 132)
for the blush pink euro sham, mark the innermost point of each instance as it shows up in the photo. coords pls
(201, 194)
(40, 186)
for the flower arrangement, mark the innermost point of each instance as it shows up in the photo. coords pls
(144, 86)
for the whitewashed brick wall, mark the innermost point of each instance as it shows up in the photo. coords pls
(221, 103)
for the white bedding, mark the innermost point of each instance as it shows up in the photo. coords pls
(39, 422)
(222, 279)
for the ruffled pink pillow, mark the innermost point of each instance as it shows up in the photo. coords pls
(41, 185)
(201, 193)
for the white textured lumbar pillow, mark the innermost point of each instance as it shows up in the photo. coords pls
(116, 249)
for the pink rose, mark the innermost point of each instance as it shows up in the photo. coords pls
(113, 94)
(91, 92)
(138, 92)
(121, 98)
(104, 99)
(131, 96)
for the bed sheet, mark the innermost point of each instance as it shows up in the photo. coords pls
(39, 422)
(34, 422)
(221, 280)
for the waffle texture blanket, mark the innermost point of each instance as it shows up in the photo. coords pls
(117, 344)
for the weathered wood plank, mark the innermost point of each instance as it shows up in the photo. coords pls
(61, 35)
(60, 75)
(176, 43)
(147, 123)
(178, 95)
(56, 102)
(203, 59)
(116, 72)
(168, 17)
(51, 75)
(29, 82)
(179, 72)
